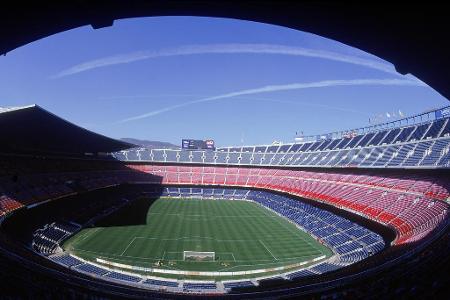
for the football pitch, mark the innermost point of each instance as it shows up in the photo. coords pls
(243, 236)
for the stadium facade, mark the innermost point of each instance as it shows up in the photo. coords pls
(377, 197)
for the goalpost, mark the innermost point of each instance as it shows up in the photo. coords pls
(199, 256)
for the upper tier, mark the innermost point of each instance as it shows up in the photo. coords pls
(421, 145)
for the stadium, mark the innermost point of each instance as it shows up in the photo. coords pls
(355, 213)
(229, 220)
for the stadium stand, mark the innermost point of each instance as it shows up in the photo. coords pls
(161, 283)
(199, 286)
(422, 145)
(123, 277)
(237, 284)
(66, 260)
(48, 239)
(91, 269)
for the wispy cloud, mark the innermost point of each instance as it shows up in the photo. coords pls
(284, 87)
(226, 49)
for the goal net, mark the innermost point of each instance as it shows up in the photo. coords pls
(199, 256)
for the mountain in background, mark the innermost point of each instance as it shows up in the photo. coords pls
(150, 144)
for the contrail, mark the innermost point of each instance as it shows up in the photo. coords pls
(310, 104)
(146, 97)
(284, 87)
(227, 49)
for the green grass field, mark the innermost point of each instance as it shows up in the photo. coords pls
(243, 235)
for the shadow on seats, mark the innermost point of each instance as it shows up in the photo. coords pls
(135, 212)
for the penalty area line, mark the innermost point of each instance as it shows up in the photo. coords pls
(128, 246)
(267, 249)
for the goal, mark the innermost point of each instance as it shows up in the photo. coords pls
(199, 256)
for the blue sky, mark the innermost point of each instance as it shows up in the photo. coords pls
(237, 82)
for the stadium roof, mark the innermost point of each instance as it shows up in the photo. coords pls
(33, 129)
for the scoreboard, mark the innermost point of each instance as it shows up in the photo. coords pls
(189, 144)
